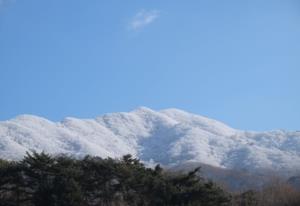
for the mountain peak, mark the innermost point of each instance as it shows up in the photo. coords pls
(143, 110)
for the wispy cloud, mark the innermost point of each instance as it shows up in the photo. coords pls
(143, 18)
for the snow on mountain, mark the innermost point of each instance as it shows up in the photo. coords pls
(170, 137)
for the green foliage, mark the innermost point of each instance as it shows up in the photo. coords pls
(40, 179)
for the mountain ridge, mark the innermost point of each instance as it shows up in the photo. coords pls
(170, 137)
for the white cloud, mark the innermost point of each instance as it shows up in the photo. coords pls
(143, 18)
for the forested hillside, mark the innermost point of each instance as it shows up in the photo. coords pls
(44, 180)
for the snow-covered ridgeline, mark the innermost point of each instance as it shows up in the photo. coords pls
(169, 137)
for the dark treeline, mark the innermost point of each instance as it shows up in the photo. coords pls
(44, 180)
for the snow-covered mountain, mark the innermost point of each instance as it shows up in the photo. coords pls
(170, 137)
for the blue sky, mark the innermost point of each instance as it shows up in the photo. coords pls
(235, 61)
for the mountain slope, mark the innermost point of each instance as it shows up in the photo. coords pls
(170, 137)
